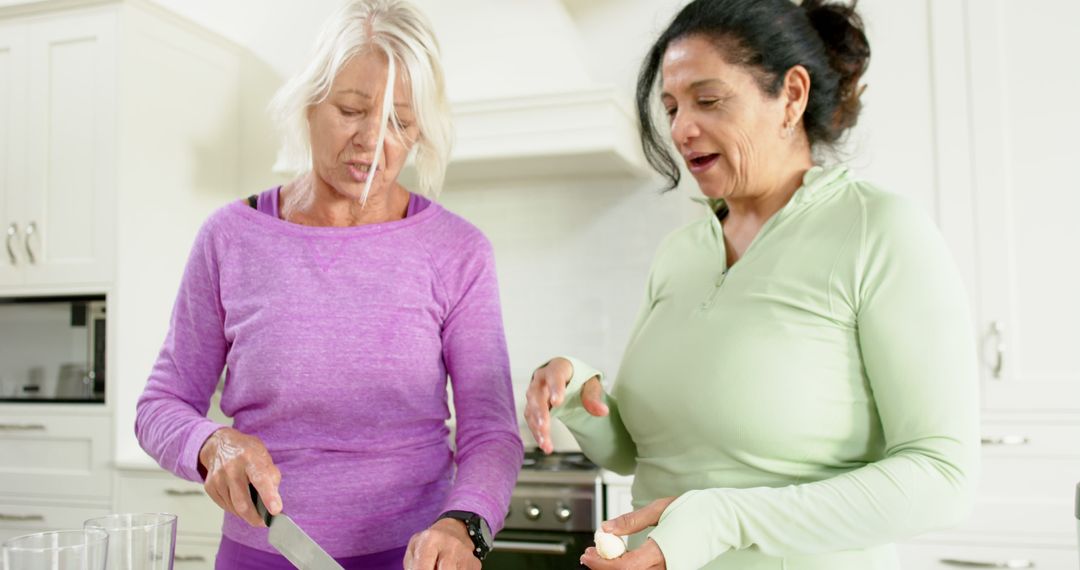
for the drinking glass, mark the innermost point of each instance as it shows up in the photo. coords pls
(138, 541)
(57, 550)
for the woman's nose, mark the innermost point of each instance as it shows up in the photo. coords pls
(366, 134)
(684, 128)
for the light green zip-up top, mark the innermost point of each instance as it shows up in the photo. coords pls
(810, 405)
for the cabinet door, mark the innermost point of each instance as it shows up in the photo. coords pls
(12, 145)
(1025, 147)
(1029, 471)
(930, 556)
(619, 500)
(61, 457)
(67, 224)
(195, 553)
(21, 518)
(157, 491)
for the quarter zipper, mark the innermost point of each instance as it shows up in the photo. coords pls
(765, 228)
(715, 292)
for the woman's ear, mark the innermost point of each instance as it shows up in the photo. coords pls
(795, 93)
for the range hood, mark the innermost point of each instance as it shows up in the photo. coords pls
(584, 133)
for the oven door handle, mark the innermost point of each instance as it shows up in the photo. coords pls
(527, 547)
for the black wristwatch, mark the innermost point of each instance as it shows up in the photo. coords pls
(478, 529)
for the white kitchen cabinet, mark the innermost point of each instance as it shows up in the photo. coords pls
(45, 457)
(17, 519)
(1029, 473)
(155, 490)
(1024, 151)
(12, 136)
(198, 521)
(60, 166)
(932, 556)
(194, 553)
(1004, 161)
(122, 127)
(618, 500)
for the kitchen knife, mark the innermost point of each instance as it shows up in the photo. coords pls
(291, 540)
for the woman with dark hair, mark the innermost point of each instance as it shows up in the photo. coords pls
(800, 388)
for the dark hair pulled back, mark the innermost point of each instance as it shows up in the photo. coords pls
(769, 37)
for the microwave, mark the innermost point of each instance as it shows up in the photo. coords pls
(52, 349)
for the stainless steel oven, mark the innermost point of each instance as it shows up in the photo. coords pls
(52, 349)
(556, 506)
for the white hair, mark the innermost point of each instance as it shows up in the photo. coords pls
(404, 35)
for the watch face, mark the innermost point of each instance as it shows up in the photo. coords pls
(485, 532)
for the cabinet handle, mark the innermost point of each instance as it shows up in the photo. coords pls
(22, 518)
(183, 492)
(988, 564)
(1005, 440)
(22, 427)
(997, 330)
(12, 231)
(529, 547)
(189, 558)
(30, 231)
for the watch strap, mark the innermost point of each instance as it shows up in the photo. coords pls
(477, 528)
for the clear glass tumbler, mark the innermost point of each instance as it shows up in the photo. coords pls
(57, 550)
(143, 541)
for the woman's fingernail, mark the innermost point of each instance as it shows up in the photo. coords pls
(607, 526)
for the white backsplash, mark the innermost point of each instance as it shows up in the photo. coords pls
(572, 257)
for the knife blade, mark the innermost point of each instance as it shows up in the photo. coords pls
(291, 540)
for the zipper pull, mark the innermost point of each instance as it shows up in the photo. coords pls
(716, 290)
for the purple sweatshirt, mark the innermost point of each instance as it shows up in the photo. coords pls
(337, 344)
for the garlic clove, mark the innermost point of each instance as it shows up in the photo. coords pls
(609, 546)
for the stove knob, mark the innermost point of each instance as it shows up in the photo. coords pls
(532, 512)
(563, 513)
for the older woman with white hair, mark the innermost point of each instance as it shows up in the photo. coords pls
(339, 304)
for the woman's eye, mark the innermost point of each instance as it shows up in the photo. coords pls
(671, 112)
(349, 112)
(708, 103)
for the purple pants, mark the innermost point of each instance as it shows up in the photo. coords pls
(235, 556)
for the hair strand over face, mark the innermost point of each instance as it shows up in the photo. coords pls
(404, 34)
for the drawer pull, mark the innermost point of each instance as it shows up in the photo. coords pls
(1005, 440)
(529, 547)
(22, 518)
(183, 492)
(22, 427)
(189, 558)
(980, 564)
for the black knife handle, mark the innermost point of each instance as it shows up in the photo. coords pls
(260, 508)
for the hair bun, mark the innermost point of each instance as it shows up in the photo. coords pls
(842, 31)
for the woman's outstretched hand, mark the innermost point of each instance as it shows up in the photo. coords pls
(548, 390)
